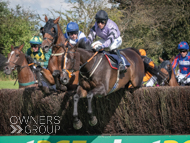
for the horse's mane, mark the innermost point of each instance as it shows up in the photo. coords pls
(3, 61)
(84, 45)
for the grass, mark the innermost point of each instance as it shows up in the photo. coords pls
(9, 84)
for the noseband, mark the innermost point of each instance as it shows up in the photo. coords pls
(47, 29)
(164, 65)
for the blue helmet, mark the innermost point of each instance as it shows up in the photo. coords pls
(183, 45)
(72, 26)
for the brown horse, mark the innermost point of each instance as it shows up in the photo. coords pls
(97, 78)
(53, 37)
(26, 77)
(166, 68)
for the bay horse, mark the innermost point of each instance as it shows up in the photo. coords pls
(53, 37)
(26, 77)
(97, 78)
(166, 68)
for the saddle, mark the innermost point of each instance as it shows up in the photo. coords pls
(114, 60)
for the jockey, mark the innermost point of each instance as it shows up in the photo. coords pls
(40, 58)
(108, 30)
(73, 34)
(148, 79)
(35, 52)
(183, 59)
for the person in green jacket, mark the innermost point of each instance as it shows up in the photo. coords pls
(35, 52)
(40, 59)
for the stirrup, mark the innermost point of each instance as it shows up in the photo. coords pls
(122, 68)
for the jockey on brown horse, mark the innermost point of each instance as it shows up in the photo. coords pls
(26, 77)
(54, 38)
(99, 74)
(108, 30)
(41, 59)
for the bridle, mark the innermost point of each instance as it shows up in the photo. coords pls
(47, 29)
(168, 69)
(73, 61)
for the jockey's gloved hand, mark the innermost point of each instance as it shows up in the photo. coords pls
(99, 48)
(36, 62)
(183, 79)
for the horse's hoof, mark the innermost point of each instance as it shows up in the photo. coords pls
(63, 88)
(93, 121)
(77, 125)
(46, 90)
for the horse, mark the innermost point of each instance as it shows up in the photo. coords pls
(54, 37)
(98, 78)
(26, 77)
(166, 68)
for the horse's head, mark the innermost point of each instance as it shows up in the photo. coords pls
(50, 33)
(15, 59)
(71, 63)
(166, 68)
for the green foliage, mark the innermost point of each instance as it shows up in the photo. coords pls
(156, 26)
(17, 26)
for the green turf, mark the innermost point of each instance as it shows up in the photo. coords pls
(8, 85)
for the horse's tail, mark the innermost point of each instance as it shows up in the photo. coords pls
(3, 61)
(152, 70)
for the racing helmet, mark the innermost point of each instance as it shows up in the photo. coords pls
(183, 45)
(101, 15)
(72, 27)
(36, 40)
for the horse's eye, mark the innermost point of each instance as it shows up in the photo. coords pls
(17, 55)
(42, 30)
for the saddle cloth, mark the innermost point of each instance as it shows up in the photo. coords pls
(114, 60)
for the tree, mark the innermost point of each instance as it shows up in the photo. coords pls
(83, 13)
(156, 26)
(17, 26)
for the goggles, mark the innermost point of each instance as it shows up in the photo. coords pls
(34, 45)
(182, 51)
(73, 32)
(101, 21)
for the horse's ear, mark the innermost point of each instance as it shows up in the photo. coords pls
(12, 48)
(46, 19)
(56, 21)
(161, 60)
(20, 48)
(171, 60)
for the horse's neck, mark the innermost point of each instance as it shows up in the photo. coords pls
(173, 81)
(25, 74)
(60, 41)
(84, 55)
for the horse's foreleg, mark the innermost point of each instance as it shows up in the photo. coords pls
(98, 90)
(38, 69)
(77, 123)
(48, 76)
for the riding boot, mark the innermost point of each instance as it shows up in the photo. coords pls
(38, 69)
(122, 67)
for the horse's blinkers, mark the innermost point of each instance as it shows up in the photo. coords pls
(47, 29)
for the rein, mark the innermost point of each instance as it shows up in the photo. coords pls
(94, 65)
(22, 67)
